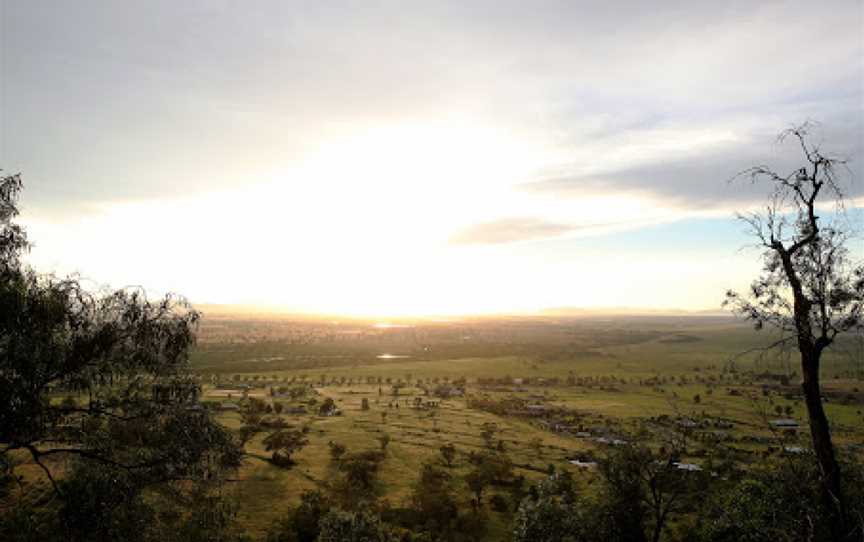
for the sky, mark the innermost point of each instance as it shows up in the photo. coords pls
(409, 158)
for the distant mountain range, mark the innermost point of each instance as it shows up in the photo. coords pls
(628, 311)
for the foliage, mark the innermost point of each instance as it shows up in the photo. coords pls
(357, 482)
(283, 443)
(810, 289)
(487, 433)
(337, 450)
(778, 502)
(434, 500)
(302, 523)
(384, 441)
(361, 526)
(328, 407)
(552, 515)
(448, 453)
(131, 423)
(13, 238)
(643, 491)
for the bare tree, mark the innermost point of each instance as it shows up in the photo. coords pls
(810, 289)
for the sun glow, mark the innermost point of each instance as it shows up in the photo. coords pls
(363, 225)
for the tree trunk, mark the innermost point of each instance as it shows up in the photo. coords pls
(820, 435)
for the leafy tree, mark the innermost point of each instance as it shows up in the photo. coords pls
(251, 419)
(553, 514)
(337, 450)
(134, 424)
(126, 356)
(494, 467)
(283, 443)
(327, 408)
(357, 480)
(499, 503)
(384, 441)
(302, 523)
(434, 500)
(477, 481)
(448, 453)
(643, 491)
(13, 238)
(361, 526)
(777, 502)
(536, 444)
(487, 433)
(810, 289)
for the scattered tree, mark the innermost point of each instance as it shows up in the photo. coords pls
(487, 433)
(283, 443)
(327, 408)
(448, 453)
(384, 440)
(360, 526)
(434, 500)
(553, 514)
(336, 450)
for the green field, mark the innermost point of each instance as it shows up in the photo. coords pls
(620, 378)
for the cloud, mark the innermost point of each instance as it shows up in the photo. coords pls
(518, 229)
(705, 177)
(108, 101)
(509, 230)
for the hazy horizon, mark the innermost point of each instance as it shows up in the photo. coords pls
(218, 309)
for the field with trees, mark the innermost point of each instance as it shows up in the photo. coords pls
(129, 418)
(551, 394)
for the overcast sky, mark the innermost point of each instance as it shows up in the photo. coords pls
(408, 157)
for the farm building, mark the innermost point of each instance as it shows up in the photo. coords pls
(784, 423)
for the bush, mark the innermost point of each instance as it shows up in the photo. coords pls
(341, 526)
(779, 502)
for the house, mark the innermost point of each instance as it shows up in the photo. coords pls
(610, 441)
(445, 391)
(227, 405)
(784, 423)
(584, 464)
(689, 467)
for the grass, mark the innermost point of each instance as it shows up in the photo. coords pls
(629, 350)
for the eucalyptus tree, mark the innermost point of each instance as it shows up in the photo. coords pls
(811, 288)
(119, 361)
